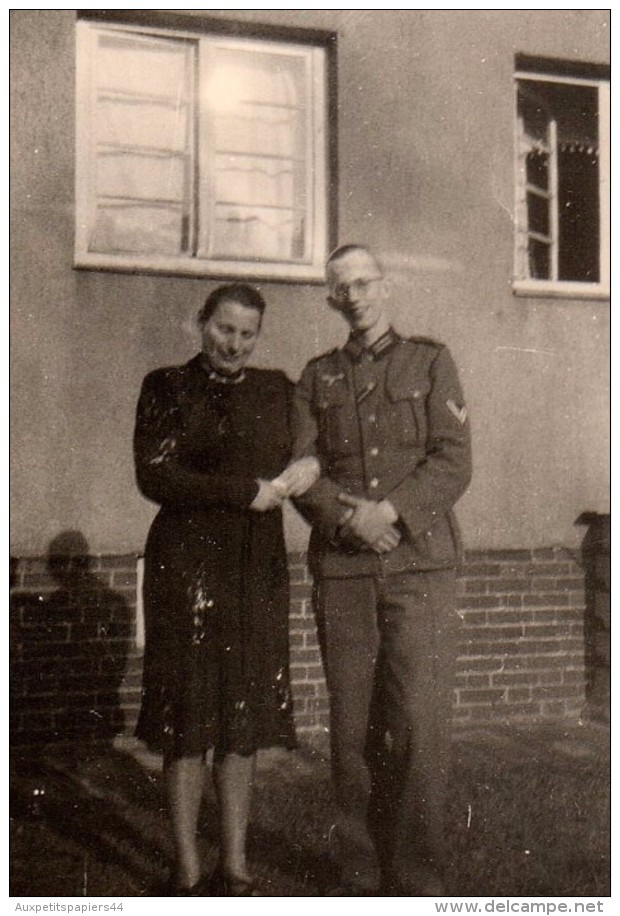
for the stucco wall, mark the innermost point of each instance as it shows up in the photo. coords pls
(425, 135)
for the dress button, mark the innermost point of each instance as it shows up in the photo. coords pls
(374, 451)
(374, 483)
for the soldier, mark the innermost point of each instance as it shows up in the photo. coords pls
(385, 417)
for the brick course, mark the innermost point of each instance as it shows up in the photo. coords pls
(76, 667)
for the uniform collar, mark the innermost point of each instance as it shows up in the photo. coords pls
(355, 346)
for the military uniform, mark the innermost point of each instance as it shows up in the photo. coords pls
(387, 422)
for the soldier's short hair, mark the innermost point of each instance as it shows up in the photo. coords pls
(344, 250)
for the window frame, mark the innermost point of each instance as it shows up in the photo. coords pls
(319, 44)
(576, 73)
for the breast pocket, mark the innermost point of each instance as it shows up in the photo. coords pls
(407, 413)
(338, 428)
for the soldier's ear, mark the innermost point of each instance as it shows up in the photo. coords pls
(386, 287)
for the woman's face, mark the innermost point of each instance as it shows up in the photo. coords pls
(229, 336)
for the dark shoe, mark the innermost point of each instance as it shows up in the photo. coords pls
(200, 889)
(173, 889)
(222, 885)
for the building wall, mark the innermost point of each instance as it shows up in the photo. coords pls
(425, 132)
(77, 663)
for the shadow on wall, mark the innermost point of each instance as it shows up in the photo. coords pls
(70, 637)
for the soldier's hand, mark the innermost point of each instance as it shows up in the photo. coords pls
(371, 522)
(388, 542)
(344, 536)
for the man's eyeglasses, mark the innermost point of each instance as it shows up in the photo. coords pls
(342, 292)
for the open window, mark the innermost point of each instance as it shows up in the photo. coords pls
(562, 177)
(202, 152)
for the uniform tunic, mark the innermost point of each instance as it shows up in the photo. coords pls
(216, 592)
(387, 422)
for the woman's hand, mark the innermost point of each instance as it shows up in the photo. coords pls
(298, 476)
(267, 498)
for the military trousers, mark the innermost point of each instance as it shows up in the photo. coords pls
(389, 646)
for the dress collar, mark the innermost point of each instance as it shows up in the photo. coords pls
(355, 346)
(218, 377)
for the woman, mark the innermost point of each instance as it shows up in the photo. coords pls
(212, 443)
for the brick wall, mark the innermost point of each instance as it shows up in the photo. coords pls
(76, 667)
(522, 645)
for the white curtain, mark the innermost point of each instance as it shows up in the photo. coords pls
(255, 101)
(141, 149)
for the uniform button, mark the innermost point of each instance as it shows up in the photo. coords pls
(374, 483)
(372, 417)
(374, 451)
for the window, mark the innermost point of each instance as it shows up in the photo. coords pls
(201, 153)
(562, 206)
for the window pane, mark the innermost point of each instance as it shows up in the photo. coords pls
(534, 113)
(142, 65)
(250, 180)
(141, 139)
(539, 260)
(538, 213)
(140, 175)
(139, 123)
(133, 228)
(256, 107)
(263, 232)
(579, 213)
(537, 169)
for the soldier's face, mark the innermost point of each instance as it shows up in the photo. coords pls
(229, 336)
(357, 289)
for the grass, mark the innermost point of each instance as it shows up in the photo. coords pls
(528, 814)
(538, 824)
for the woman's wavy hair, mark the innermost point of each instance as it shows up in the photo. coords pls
(245, 295)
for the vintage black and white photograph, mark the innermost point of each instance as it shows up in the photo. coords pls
(310, 454)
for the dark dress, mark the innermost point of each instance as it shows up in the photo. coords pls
(216, 591)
